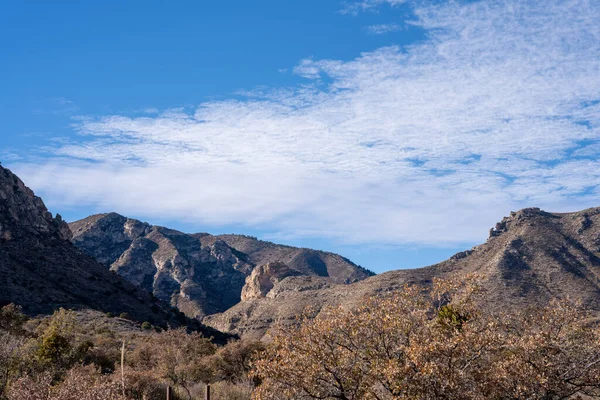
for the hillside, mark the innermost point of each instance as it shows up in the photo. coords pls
(200, 274)
(42, 271)
(531, 257)
(306, 261)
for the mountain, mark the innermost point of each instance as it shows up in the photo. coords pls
(531, 257)
(200, 274)
(306, 261)
(41, 270)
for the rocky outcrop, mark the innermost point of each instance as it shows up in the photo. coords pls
(306, 261)
(200, 274)
(532, 257)
(178, 268)
(23, 214)
(263, 278)
(41, 270)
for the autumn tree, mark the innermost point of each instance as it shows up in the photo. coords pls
(176, 357)
(232, 362)
(433, 343)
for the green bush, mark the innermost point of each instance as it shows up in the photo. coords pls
(146, 325)
(124, 315)
(451, 317)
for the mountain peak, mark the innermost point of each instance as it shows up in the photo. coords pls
(201, 274)
(24, 214)
(42, 271)
(532, 257)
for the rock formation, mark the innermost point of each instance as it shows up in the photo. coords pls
(245, 286)
(41, 270)
(200, 274)
(24, 215)
(532, 257)
(263, 278)
(306, 261)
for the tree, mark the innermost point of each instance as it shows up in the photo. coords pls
(177, 357)
(13, 338)
(434, 343)
(233, 362)
(12, 319)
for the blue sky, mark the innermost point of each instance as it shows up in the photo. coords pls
(393, 132)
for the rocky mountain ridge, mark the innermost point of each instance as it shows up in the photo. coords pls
(531, 257)
(200, 274)
(306, 261)
(245, 286)
(23, 214)
(41, 270)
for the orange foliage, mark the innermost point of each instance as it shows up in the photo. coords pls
(433, 344)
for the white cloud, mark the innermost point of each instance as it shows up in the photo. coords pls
(432, 144)
(365, 5)
(382, 29)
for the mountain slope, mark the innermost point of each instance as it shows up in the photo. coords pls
(41, 270)
(530, 258)
(200, 274)
(306, 261)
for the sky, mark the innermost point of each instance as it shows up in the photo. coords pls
(393, 132)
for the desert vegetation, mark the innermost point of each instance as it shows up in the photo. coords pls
(62, 357)
(433, 343)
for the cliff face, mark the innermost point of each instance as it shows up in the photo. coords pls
(263, 279)
(176, 267)
(244, 286)
(201, 274)
(23, 214)
(308, 262)
(531, 257)
(41, 270)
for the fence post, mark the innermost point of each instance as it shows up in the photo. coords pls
(207, 392)
(123, 368)
(169, 393)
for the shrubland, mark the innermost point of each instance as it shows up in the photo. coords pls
(434, 343)
(67, 356)
(418, 343)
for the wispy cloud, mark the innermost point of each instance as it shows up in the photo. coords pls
(355, 7)
(383, 29)
(497, 110)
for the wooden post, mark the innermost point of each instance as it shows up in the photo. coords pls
(123, 367)
(169, 393)
(207, 392)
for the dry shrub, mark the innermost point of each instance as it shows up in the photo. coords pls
(31, 388)
(175, 357)
(231, 391)
(16, 346)
(233, 362)
(85, 383)
(80, 383)
(12, 319)
(11, 358)
(55, 359)
(434, 344)
(141, 385)
(224, 390)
